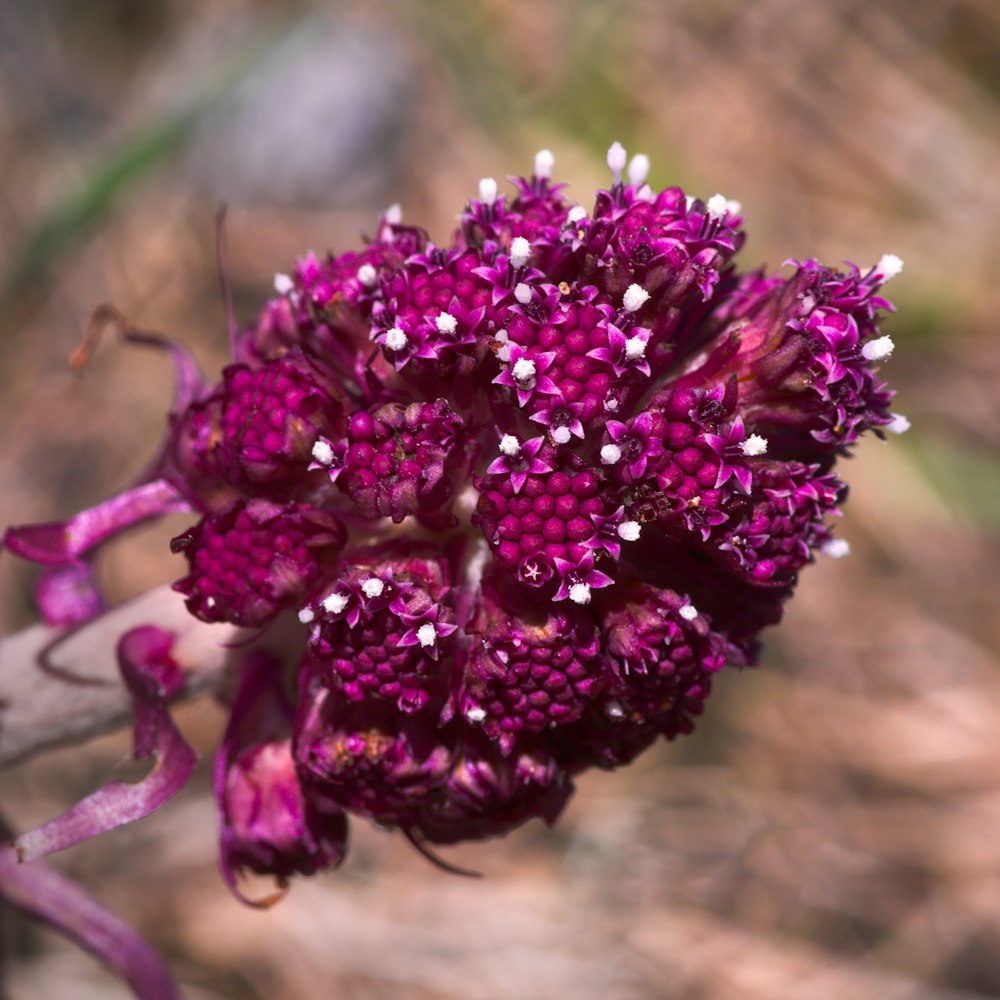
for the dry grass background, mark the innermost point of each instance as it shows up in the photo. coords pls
(831, 830)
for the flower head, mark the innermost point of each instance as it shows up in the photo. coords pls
(526, 494)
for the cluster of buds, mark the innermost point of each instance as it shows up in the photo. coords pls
(527, 494)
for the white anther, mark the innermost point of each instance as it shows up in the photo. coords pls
(889, 266)
(446, 323)
(878, 349)
(522, 293)
(753, 446)
(898, 425)
(322, 452)
(523, 370)
(611, 405)
(717, 206)
(520, 252)
(635, 347)
(638, 169)
(617, 158)
(635, 298)
(475, 714)
(335, 603)
(367, 275)
(395, 339)
(283, 284)
(734, 207)
(544, 162)
(488, 191)
(688, 612)
(503, 353)
(688, 201)
(579, 593)
(629, 531)
(306, 615)
(373, 587)
(510, 445)
(610, 454)
(645, 193)
(209, 603)
(394, 214)
(561, 435)
(576, 214)
(836, 548)
(427, 634)
(614, 710)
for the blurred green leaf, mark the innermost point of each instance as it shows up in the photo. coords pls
(125, 165)
(966, 478)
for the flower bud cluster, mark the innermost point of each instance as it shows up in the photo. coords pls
(527, 492)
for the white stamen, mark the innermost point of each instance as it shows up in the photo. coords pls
(611, 405)
(888, 266)
(394, 214)
(734, 207)
(878, 349)
(629, 531)
(635, 347)
(836, 548)
(395, 339)
(561, 435)
(510, 445)
(638, 169)
(544, 162)
(716, 206)
(754, 445)
(610, 454)
(488, 191)
(522, 293)
(323, 453)
(446, 323)
(367, 275)
(579, 593)
(520, 252)
(335, 603)
(688, 201)
(503, 353)
(475, 714)
(209, 603)
(372, 587)
(689, 612)
(635, 298)
(614, 710)
(576, 214)
(617, 158)
(426, 634)
(898, 425)
(645, 193)
(306, 615)
(523, 370)
(502, 336)
(283, 284)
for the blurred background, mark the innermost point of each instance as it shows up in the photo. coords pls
(831, 829)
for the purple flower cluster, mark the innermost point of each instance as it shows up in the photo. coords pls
(527, 493)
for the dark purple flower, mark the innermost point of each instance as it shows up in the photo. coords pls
(253, 558)
(527, 493)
